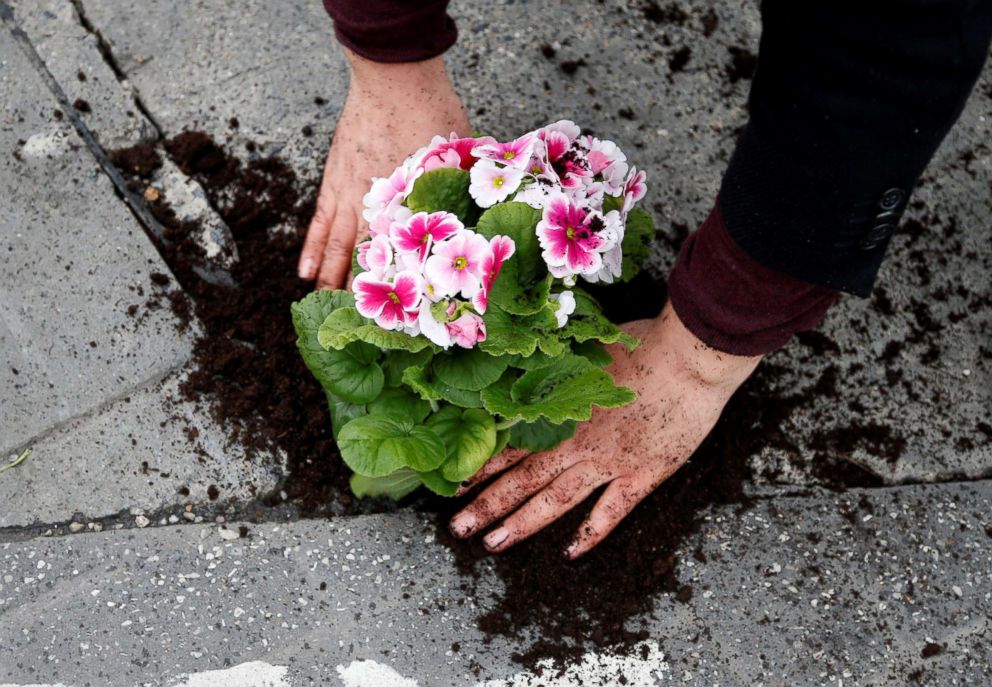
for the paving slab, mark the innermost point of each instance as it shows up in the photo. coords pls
(844, 590)
(73, 259)
(147, 453)
(72, 55)
(672, 92)
(87, 337)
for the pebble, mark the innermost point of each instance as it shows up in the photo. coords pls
(173, 519)
(189, 516)
(75, 527)
(226, 534)
(141, 521)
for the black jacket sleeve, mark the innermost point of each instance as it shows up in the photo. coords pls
(849, 102)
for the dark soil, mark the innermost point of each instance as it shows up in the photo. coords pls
(247, 372)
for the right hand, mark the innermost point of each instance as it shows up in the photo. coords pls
(391, 111)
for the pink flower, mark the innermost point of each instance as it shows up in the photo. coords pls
(516, 153)
(375, 255)
(491, 184)
(501, 250)
(391, 305)
(457, 153)
(467, 330)
(455, 265)
(570, 237)
(569, 166)
(388, 192)
(418, 233)
(633, 189)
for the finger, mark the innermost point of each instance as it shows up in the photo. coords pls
(337, 252)
(566, 491)
(508, 492)
(613, 506)
(313, 245)
(506, 458)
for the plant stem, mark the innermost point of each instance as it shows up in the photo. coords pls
(434, 406)
(506, 424)
(17, 461)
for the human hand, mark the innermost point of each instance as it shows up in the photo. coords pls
(391, 110)
(682, 386)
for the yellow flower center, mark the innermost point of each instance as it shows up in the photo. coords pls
(535, 170)
(460, 263)
(509, 155)
(394, 298)
(497, 182)
(423, 240)
(570, 232)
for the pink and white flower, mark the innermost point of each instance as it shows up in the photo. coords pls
(501, 249)
(572, 237)
(633, 189)
(456, 153)
(516, 153)
(467, 330)
(607, 163)
(387, 193)
(376, 255)
(418, 233)
(455, 264)
(566, 306)
(392, 305)
(491, 184)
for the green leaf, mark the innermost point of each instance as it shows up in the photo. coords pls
(395, 363)
(534, 362)
(469, 438)
(523, 283)
(502, 441)
(421, 380)
(395, 485)
(342, 412)
(377, 445)
(346, 325)
(564, 391)
(444, 189)
(593, 352)
(521, 335)
(353, 373)
(540, 435)
(308, 314)
(636, 245)
(434, 481)
(588, 322)
(471, 370)
(400, 404)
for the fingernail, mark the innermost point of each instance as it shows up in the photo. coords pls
(306, 268)
(463, 524)
(496, 537)
(571, 549)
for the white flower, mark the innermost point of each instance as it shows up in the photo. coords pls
(491, 184)
(566, 306)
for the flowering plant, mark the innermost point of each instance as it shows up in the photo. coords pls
(465, 330)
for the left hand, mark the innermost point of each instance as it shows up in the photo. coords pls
(682, 386)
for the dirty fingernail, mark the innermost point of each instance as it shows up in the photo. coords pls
(306, 268)
(496, 537)
(463, 524)
(571, 549)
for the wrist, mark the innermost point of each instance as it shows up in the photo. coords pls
(693, 359)
(391, 78)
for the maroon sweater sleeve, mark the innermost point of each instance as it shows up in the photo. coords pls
(393, 30)
(734, 303)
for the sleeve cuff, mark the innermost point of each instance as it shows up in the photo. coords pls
(393, 30)
(733, 303)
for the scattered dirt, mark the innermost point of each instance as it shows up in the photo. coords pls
(669, 14)
(248, 374)
(81, 105)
